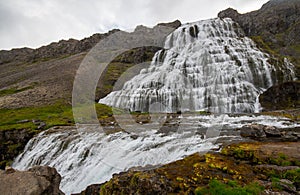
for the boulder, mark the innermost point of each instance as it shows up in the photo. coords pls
(37, 180)
(272, 131)
(253, 131)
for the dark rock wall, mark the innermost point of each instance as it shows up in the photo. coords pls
(283, 96)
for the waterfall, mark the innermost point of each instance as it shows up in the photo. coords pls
(208, 65)
(87, 156)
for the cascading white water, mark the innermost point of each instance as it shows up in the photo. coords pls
(207, 65)
(86, 156)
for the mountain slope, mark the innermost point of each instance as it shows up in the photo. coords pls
(34, 77)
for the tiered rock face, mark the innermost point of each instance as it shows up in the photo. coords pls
(275, 27)
(274, 17)
(207, 65)
(36, 181)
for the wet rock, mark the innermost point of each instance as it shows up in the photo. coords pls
(253, 131)
(271, 131)
(35, 181)
(276, 25)
(143, 119)
(134, 136)
(91, 189)
(289, 137)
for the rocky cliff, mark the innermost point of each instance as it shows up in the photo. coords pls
(275, 27)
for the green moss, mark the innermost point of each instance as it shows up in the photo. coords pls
(56, 114)
(292, 175)
(218, 188)
(280, 160)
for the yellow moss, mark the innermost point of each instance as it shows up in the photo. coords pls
(209, 157)
(196, 165)
(179, 179)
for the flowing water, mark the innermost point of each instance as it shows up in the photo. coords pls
(87, 157)
(208, 65)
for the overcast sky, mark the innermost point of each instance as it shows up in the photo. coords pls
(33, 23)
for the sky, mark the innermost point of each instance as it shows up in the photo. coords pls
(34, 23)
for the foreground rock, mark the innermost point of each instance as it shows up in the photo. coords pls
(243, 163)
(37, 180)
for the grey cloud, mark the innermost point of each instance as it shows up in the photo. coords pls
(33, 23)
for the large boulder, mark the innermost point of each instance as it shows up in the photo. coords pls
(36, 181)
(253, 131)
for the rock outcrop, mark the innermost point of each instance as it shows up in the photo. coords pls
(12, 142)
(39, 180)
(283, 96)
(174, 24)
(274, 17)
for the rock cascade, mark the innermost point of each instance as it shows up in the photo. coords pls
(207, 65)
(275, 28)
